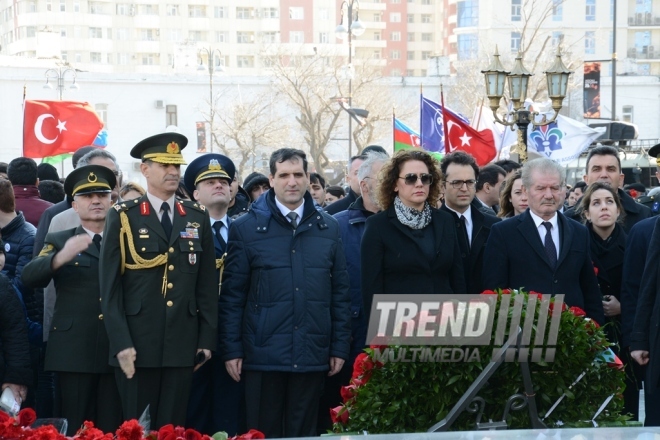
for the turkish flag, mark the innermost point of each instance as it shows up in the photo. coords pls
(51, 128)
(479, 144)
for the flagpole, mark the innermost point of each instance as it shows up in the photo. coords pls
(393, 132)
(481, 109)
(421, 119)
(23, 105)
(444, 120)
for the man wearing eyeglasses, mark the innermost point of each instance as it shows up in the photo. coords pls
(473, 221)
(541, 250)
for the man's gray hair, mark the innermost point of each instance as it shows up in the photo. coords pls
(541, 165)
(98, 152)
(366, 166)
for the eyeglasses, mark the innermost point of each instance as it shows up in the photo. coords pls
(458, 184)
(411, 178)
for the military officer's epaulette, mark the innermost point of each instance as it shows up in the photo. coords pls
(645, 199)
(193, 205)
(125, 204)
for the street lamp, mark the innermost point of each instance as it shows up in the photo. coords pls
(59, 75)
(355, 29)
(212, 55)
(518, 79)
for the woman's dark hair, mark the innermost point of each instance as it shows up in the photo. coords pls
(506, 207)
(389, 175)
(586, 200)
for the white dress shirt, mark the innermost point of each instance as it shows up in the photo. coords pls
(224, 232)
(157, 203)
(554, 231)
(284, 210)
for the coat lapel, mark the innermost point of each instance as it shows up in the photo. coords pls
(478, 232)
(565, 237)
(91, 249)
(529, 232)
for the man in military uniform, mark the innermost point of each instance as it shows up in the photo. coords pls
(652, 199)
(216, 400)
(78, 344)
(159, 299)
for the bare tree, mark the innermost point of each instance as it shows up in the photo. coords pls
(249, 127)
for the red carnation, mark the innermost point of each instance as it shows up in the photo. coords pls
(577, 311)
(339, 414)
(26, 417)
(253, 434)
(552, 307)
(488, 292)
(506, 291)
(4, 416)
(130, 430)
(595, 268)
(165, 431)
(191, 434)
(531, 293)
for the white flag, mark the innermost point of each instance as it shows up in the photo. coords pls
(563, 140)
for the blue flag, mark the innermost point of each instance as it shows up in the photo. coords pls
(432, 133)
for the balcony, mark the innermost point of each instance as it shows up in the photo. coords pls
(644, 19)
(646, 53)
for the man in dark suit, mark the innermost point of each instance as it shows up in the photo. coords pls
(354, 187)
(78, 344)
(489, 185)
(216, 401)
(158, 293)
(604, 165)
(542, 250)
(461, 172)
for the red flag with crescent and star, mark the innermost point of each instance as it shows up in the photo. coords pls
(57, 127)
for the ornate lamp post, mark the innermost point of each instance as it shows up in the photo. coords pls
(58, 75)
(212, 55)
(518, 79)
(355, 29)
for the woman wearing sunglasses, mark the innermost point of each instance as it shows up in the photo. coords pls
(410, 246)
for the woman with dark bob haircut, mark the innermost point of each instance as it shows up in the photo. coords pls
(410, 246)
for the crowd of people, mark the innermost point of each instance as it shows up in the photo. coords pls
(223, 307)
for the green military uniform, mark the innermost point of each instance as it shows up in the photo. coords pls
(159, 295)
(652, 202)
(78, 343)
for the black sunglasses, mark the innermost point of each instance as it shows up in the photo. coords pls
(411, 178)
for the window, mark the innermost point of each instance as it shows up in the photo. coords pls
(590, 13)
(245, 61)
(377, 35)
(467, 46)
(612, 10)
(426, 36)
(123, 9)
(121, 33)
(376, 54)
(78, 57)
(395, 17)
(378, 16)
(395, 55)
(296, 37)
(275, 13)
(197, 35)
(296, 13)
(108, 33)
(148, 9)
(62, 32)
(590, 42)
(174, 35)
(426, 54)
(423, 71)
(77, 32)
(269, 37)
(49, 5)
(323, 37)
(468, 13)
(64, 56)
(170, 115)
(172, 10)
(148, 34)
(30, 31)
(395, 72)
(427, 2)
(196, 11)
(96, 8)
(95, 32)
(76, 6)
(395, 1)
(395, 36)
(243, 37)
(411, 56)
(427, 18)
(62, 6)
(410, 72)
(122, 59)
(244, 13)
(411, 18)
(627, 115)
(95, 57)
(221, 37)
(411, 36)
(31, 6)
(557, 38)
(148, 59)
(516, 10)
(219, 12)
(323, 14)
(515, 41)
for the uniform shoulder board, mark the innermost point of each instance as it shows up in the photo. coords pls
(645, 199)
(123, 205)
(193, 205)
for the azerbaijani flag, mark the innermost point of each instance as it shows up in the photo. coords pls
(406, 138)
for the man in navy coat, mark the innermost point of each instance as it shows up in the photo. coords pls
(541, 249)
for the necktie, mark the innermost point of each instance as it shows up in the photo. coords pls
(465, 231)
(97, 241)
(549, 244)
(217, 227)
(165, 219)
(294, 219)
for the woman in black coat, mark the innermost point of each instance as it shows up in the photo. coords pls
(602, 211)
(410, 246)
(15, 371)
